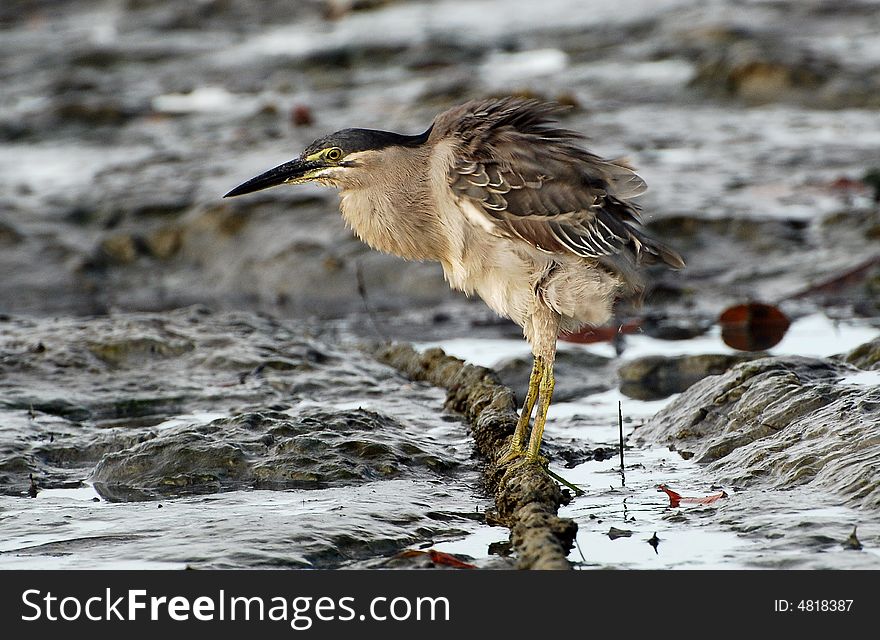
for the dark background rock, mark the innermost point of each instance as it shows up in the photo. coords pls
(308, 449)
(577, 373)
(866, 356)
(655, 377)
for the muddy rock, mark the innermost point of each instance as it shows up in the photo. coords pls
(767, 66)
(655, 377)
(164, 242)
(8, 235)
(179, 400)
(119, 249)
(757, 67)
(665, 327)
(782, 422)
(866, 356)
(310, 449)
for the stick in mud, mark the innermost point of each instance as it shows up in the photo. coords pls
(362, 292)
(620, 430)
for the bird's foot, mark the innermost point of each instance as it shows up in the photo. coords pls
(518, 455)
(537, 459)
(514, 452)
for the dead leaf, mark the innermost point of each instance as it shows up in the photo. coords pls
(753, 326)
(437, 557)
(676, 499)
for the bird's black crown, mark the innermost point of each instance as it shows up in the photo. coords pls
(353, 140)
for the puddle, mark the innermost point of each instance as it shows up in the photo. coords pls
(687, 540)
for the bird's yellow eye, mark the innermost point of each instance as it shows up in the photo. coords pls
(333, 154)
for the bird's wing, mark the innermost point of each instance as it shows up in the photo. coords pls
(533, 182)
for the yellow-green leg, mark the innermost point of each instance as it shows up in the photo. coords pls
(517, 442)
(545, 393)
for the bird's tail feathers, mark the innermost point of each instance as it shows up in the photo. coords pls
(650, 251)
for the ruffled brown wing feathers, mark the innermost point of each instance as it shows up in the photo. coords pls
(534, 182)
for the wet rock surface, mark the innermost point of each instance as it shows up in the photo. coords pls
(307, 449)
(782, 422)
(866, 356)
(190, 403)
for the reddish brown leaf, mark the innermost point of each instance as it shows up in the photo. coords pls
(438, 557)
(845, 184)
(301, 116)
(676, 499)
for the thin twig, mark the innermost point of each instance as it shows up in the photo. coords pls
(362, 291)
(620, 429)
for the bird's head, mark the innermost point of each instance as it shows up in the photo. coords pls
(338, 159)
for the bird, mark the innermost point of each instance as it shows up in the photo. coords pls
(514, 209)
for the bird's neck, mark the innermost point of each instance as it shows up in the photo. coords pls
(396, 214)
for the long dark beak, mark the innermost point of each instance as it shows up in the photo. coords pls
(287, 172)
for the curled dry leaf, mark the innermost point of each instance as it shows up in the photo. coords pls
(438, 557)
(676, 499)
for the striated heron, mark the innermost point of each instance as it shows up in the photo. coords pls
(509, 204)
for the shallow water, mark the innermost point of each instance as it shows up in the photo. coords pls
(814, 335)
(67, 528)
(201, 440)
(750, 528)
(357, 523)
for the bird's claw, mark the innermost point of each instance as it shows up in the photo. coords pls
(514, 452)
(541, 460)
(519, 455)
